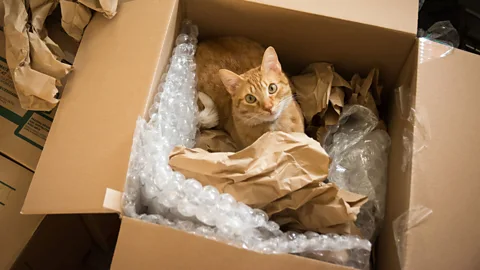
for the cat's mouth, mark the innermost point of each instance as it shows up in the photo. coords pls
(258, 119)
(270, 117)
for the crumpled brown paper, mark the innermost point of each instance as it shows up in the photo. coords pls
(76, 14)
(215, 141)
(107, 7)
(75, 18)
(319, 90)
(281, 173)
(322, 93)
(33, 58)
(35, 69)
(318, 207)
(367, 91)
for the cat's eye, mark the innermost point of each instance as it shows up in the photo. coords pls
(272, 88)
(250, 98)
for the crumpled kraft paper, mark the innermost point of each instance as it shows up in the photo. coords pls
(367, 91)
(35, 69)
(319, 207)
(75, 18)
(107, 7)
(322, 93)
(215, 141)
(77, 14)
(33, 58)
(319, 89)
(281, 173)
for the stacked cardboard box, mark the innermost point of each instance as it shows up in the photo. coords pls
(16, 229)
(59, 240)
(87, 152)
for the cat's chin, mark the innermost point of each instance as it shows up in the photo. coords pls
(271, 118)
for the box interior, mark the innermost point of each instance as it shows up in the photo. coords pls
(106, 82)
(301, 39)
(118, 67)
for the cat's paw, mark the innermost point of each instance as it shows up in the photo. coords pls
(208, 117)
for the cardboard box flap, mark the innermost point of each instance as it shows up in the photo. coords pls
(87, 150)
(16, 229)
(445, 172)
(392, 14)
(141, 244)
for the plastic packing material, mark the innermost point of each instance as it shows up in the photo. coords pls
(416, 133)
(359, 154)
(420, 4)
(443, 32)
(404, 223)
(155, 193)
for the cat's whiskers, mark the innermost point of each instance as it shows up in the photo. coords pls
(283, 102)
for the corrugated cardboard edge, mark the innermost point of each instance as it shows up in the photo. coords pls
(402, 15)
(113, 200)
(141, 244)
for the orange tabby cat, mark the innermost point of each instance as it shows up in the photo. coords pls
(248, 88)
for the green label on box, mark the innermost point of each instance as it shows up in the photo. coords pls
(33, 127)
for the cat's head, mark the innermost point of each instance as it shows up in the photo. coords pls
(260, 94)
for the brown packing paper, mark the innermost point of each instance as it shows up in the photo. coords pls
(77, 14)
(275, 164)
(40, 9)
(54, 48)
(320, 207)
(337, 98)
(215, 141)
(35, 70)
(32, 57)
(107, 7)
(280, 173)
(318, 88)
(312, 88)
(75, 18)
(376, 87)
(367, 91)
(43, 60)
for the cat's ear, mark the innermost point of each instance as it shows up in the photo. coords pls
(230, 79)
(270, 63)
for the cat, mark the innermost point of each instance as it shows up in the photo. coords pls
(244, 90)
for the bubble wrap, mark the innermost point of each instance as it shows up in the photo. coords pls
(154, 193)
(359, 163)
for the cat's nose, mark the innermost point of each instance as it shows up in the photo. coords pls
(268, 107)
(270, 110)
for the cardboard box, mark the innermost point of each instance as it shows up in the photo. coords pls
(22, 133)
(88, 152)
(16, 229)
(39, 241)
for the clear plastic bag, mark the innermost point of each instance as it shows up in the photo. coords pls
(404, 223)
(359, 155)
(157, 194)
(442, 32)
(420, 4)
